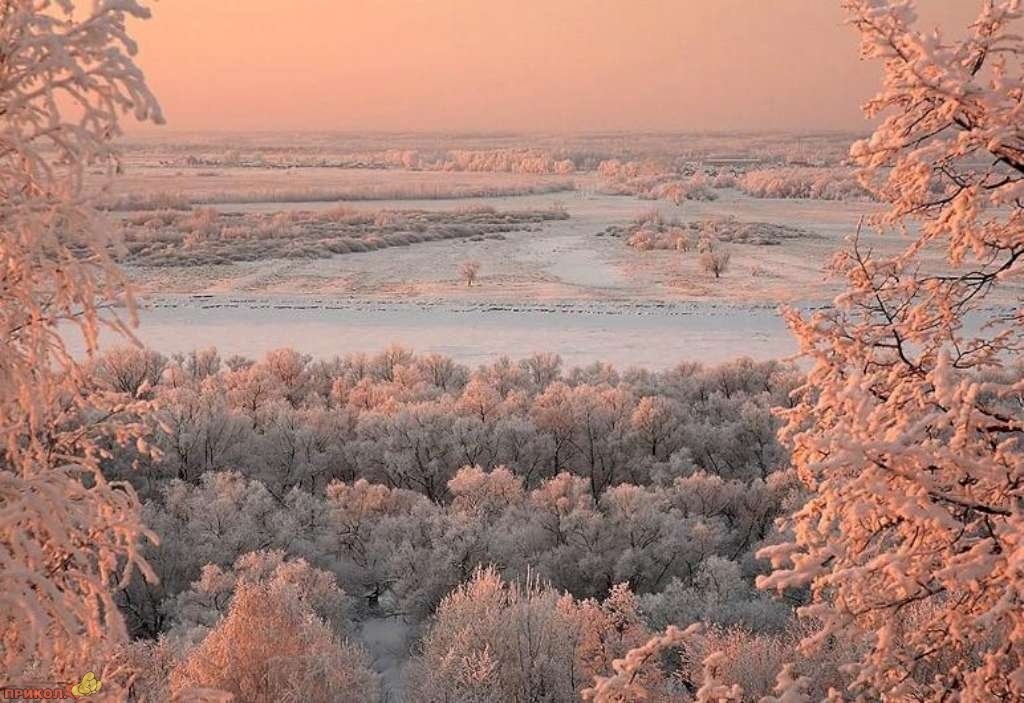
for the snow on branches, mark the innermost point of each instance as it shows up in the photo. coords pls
(909, 429)
(625, 683)
(67, 536)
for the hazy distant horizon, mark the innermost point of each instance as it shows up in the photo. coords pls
(168, 130)
(461, 66)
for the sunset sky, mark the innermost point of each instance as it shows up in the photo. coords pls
(531, 65)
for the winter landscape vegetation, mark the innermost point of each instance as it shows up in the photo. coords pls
(474, 415)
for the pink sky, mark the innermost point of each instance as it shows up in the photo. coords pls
(544, 65)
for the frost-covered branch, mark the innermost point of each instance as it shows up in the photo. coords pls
(908, 430)
(67, 535)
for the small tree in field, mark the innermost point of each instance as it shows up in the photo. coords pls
(713, 259)
(910, 429)
(67, 535)
(469, 270)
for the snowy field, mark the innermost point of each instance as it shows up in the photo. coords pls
(563, 285)
(567, 260)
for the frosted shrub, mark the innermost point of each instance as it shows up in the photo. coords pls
(385, 218)
(632, 674)
(478, 492)
(803, 182)
(158, 200)
(414, 191)
(696, 187)
(469, 271)
(752, 661)
(724, 180)
(653, 181)
(715, 261)
(642, 239)
(202, 223)
(654, 233)
(203, 237)
(718, 594)
(129, 370)
(272, 647)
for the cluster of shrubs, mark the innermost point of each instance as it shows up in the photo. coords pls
(538, 161)
(205, 236)
(509, 153)
(573, 512)
(651, 180)
(655, 180)
(652, 231)
(150, 201)
(159, 200)
(802, 182)
(493, 160)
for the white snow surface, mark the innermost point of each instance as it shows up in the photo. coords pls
(561, 287)
(647, 335)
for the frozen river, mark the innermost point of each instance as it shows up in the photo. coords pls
(651, 335)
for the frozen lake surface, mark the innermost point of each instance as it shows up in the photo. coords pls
(651, 335)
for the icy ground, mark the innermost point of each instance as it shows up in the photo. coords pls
(565, 287)
(648, 335)
(567, 260)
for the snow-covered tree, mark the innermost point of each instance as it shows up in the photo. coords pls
(271, 646)
(214, 522)
(129, 370)
(469, 270)
(67, 535)
(714, 260)
(655, 421)
(202, 606)
(497, 641)
(909, 430)
(629, 681)
(718, 594)
(479, 493)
